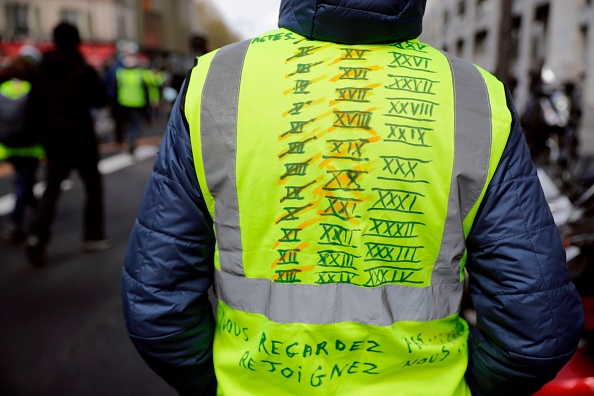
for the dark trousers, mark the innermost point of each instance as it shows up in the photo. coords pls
(57, 170)
(128, 124)
(25, 169)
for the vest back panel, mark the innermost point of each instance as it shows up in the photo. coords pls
(338, 170)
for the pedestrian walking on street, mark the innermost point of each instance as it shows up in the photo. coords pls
(333, 180)
(63, 92)
(198, 46)
(154, 79)
(132, 100)
(19, 144)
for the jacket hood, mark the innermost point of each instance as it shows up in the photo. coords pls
(354, 21)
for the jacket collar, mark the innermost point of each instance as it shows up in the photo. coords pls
(354, 21)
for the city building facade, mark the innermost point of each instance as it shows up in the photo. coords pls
(155, 25)
(166, 25)
(555, 34)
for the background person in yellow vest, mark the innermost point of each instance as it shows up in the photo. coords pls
(132, 100)
(154, 79)
(19, 143)
(333, 179)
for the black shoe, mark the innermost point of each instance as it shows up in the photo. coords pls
(36, 253)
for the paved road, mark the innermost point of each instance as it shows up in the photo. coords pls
(61, 326)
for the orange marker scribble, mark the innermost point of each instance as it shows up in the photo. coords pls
(310, 82)
(303, 52)
(302, 226)
(301, 212)
(307, 268)
(300, 247)
(303, 106)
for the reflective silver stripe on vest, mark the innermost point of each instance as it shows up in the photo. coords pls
(472, 153)
(300, 303)
(218, 120)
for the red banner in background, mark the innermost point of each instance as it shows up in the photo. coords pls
(96, 54)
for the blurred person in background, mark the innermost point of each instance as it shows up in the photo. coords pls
(569, 152)
(4, 62)
(180, 66)
(19, 143)
(154, 79)
(333, 179)
(109, 75)
(64, 89)
(132, 100)
(30, 51)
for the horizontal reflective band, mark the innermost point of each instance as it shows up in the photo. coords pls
(326, 304)
(382, 306)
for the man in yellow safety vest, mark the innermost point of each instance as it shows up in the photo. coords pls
(333, 179)
(132, 93)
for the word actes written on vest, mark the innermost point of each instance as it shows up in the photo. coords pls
(294, 358)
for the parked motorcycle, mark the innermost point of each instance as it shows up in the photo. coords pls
(575, 219)
(550, 120)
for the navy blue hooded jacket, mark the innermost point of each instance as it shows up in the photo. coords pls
(529, 314)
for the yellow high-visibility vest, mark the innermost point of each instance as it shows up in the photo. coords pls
(154, 81)
(13, 94)
(343, 181)
(131, 87)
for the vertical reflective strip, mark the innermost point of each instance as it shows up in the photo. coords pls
(380, 306)
(218, 120)
(472, 151)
